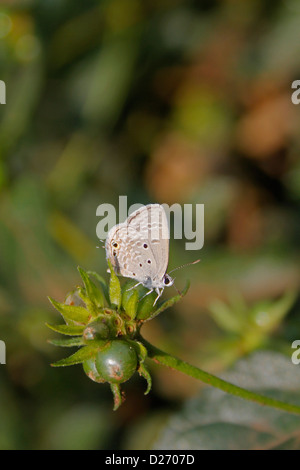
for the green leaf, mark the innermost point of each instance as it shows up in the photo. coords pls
(94, 294)
(167, 304)
(268, 315)
(69, 330)
(145, 306)
(130, 298)
(102, 282)
(225, 317)
(66, 343)
(215, 420)
(115, 293)
(97, 276)
(86, 352)
(71, 312)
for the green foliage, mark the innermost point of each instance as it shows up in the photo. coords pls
(167, 304)
(86, 352)
(93, 297)
(67, 343)
(130, 299)
(71, 313)
(109, 348)
(215, 420)
(247, 327)
(112, 349)
(162, 102)
(69, 330)
(115, 293)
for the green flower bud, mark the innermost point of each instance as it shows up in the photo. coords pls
(96, 330)
(117, 362)
(89, 368)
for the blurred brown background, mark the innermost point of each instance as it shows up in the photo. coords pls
(162, 101)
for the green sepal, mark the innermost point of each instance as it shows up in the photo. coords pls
(143, 371)
(130, 299)
(142, 353)
(98, 277)
(145, 306)
(71, 313)
(168, 303)
(95, 299)
(102, 282)
(69, 330)
(140, 349)
(118, 398)
(84, 353)
(67, 343)
(115, 293)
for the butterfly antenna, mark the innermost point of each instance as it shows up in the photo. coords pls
(184, 265)
(177, 290)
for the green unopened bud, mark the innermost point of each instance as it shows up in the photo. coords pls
(89, 368)
(96, 330)
(117, 362)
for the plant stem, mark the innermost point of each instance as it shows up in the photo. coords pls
(173, 362)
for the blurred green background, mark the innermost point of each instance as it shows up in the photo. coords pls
(162, 101)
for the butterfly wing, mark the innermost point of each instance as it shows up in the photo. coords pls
(124, 248)
(151, 222)
(139, 247)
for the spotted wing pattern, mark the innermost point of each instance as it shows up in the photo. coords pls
(139, 247)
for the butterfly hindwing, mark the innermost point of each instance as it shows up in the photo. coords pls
(125, 250)
(151, 222)
(139, 247)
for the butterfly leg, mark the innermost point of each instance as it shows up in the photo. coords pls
(147, 293)
(135, 285)
(159, 293)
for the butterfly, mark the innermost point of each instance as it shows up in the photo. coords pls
(139, 248)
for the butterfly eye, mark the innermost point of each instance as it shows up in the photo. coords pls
(168, 280)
